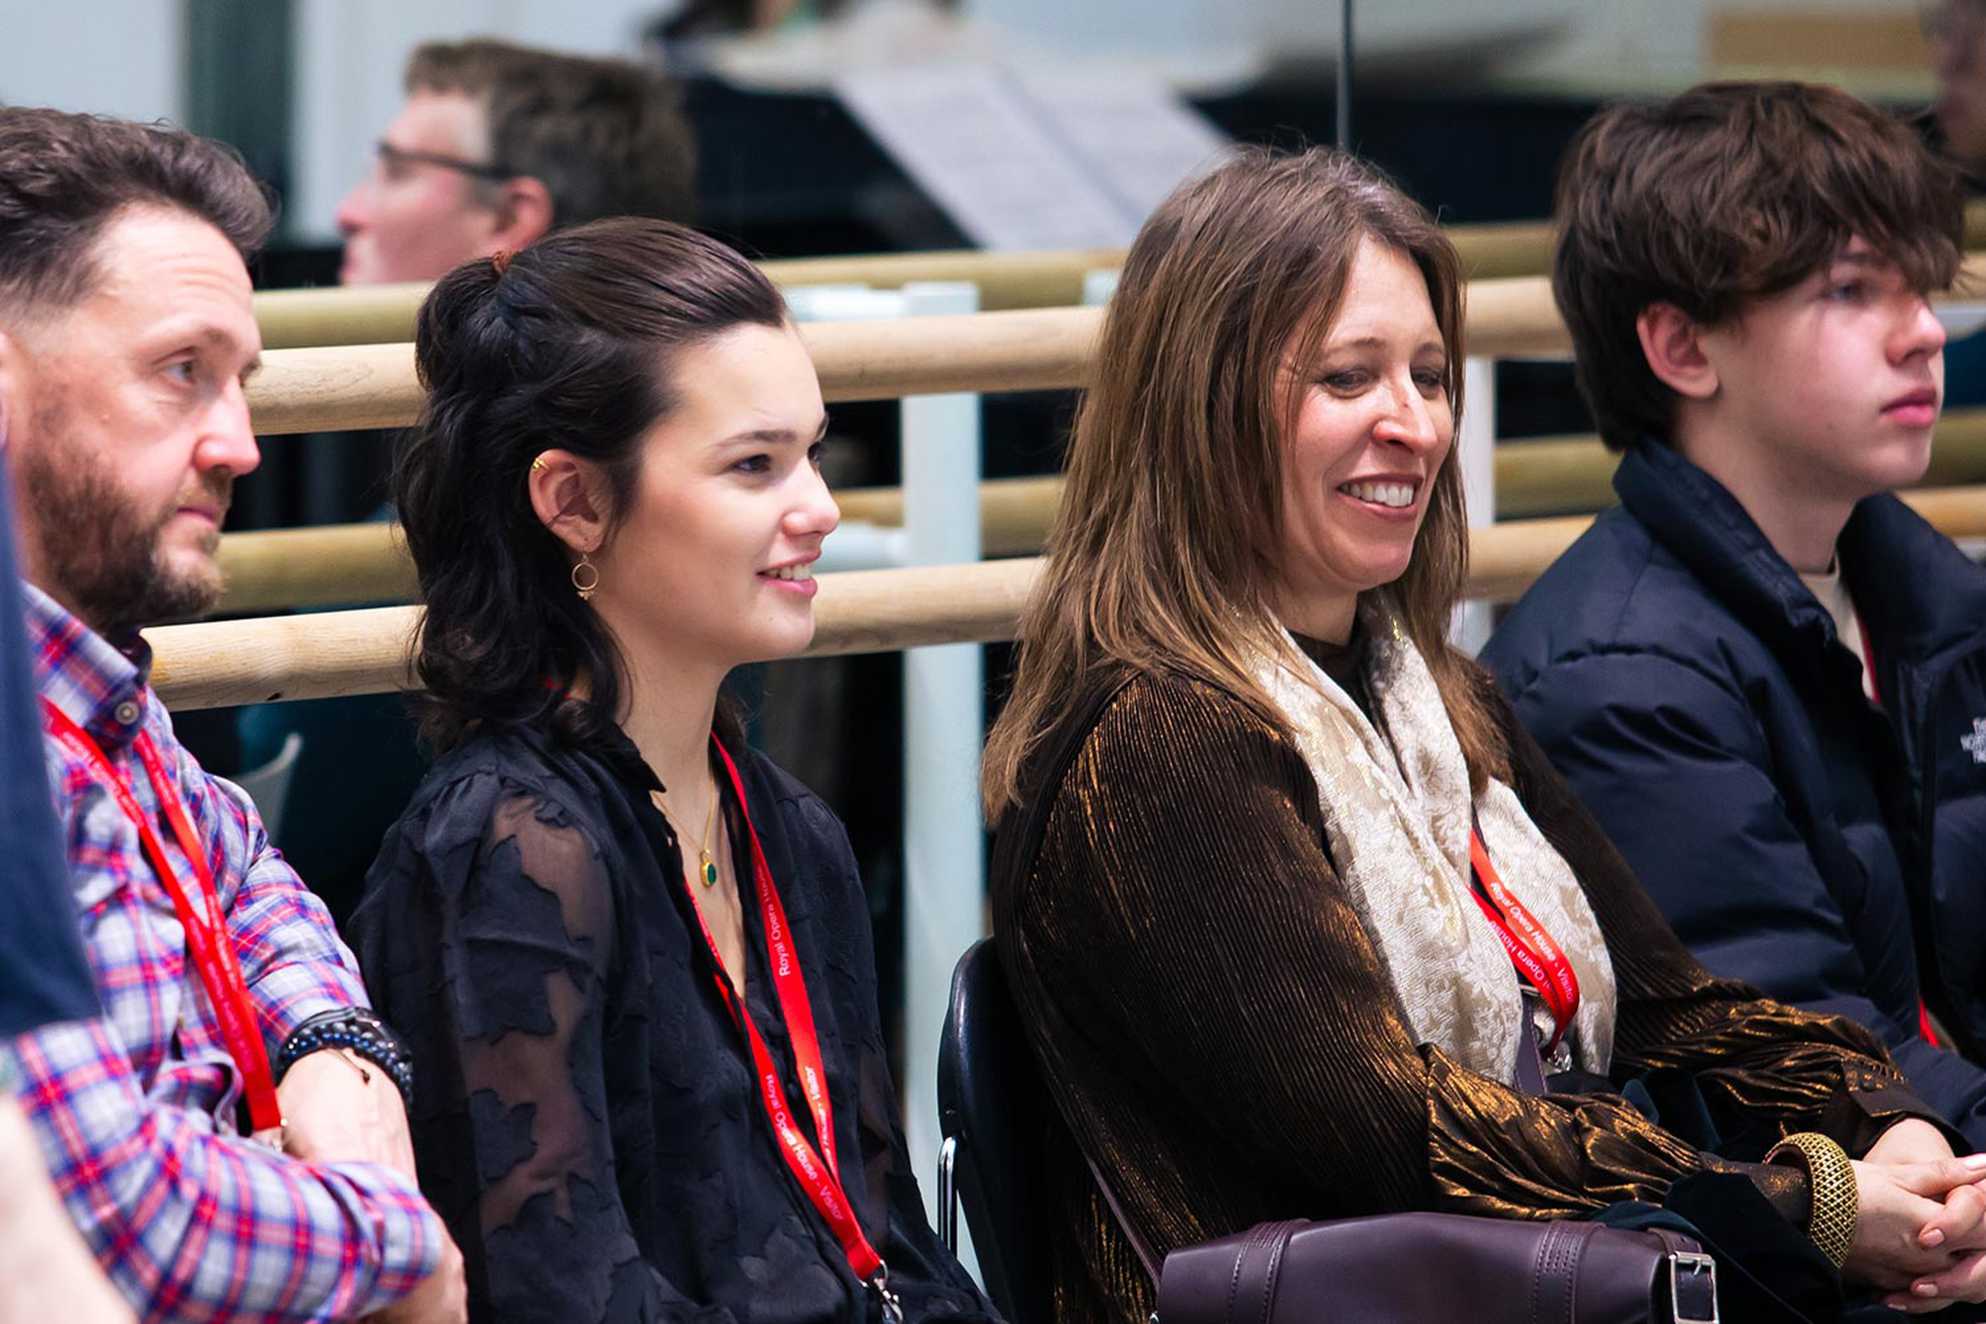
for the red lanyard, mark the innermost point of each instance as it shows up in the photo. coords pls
(819, 1174)
(1531, 949)
(199, 915)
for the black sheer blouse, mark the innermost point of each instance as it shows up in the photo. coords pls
(586, 1118)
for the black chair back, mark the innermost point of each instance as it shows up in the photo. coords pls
(992, 1103)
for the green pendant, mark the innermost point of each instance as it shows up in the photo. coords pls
(709, 869)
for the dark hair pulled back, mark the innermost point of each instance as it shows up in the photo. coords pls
(568, 344)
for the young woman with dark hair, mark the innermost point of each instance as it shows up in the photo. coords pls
(1303, 924)
(632, 957)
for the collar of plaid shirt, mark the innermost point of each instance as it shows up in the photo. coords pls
(100, 686)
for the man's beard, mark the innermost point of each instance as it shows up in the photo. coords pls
(102, 555)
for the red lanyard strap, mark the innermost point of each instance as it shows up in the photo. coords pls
(1537, 958)
(818, 1173)
(199, 912)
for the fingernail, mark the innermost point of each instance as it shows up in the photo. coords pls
(1935, 1237)
(1974, 1161)
(1923, 1289)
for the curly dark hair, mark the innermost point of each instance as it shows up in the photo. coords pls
(1724, 194)
(568, 344)
(63, 177)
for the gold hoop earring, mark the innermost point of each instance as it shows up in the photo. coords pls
(587, 584)
(538, 464)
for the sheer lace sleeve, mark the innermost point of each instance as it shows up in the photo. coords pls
(526, 915)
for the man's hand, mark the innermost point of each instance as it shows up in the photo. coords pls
(442, 1297)
(340, 1108)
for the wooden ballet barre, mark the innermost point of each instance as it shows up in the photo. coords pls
(1559, 475)
(217, 664)
(338, 564)
(269, 659)
(339, 314)
(326, 565)
(378, 314)
(373, 386)
(375, 314)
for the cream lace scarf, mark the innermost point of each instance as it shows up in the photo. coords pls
(1397, 812)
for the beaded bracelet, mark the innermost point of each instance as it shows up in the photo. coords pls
(356, 1030)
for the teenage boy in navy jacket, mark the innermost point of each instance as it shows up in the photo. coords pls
(1762, 671)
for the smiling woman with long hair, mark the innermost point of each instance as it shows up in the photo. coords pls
(1261, 834)
(631, 956)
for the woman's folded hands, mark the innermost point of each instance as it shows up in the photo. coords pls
(1920, 1232)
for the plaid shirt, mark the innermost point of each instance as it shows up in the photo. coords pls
(137, 1111)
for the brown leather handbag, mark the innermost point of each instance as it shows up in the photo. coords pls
(1440, 1267)
(1428, 1266)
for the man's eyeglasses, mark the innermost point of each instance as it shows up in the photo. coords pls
(394, 158)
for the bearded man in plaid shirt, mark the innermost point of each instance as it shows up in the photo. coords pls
(126, 334)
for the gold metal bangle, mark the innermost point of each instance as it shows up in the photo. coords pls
(1833, 1205)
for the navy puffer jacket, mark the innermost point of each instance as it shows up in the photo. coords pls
(1694, 693)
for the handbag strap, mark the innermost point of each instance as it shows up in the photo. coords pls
(1138, 1243)
(1530, 1061)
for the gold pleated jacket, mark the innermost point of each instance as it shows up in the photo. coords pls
(1218, 1034)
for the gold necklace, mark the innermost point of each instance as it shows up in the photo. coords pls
(706, 866)
(706, 870)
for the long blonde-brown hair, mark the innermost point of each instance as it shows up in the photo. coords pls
(1165, 553)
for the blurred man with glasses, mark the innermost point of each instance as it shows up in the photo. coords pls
(498, 145)
(1956, 33)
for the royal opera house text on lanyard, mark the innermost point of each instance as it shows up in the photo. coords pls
(1538, 958)
(817, 1172)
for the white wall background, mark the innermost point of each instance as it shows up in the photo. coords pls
(120, 57)
(1634, 43)
(123, 57)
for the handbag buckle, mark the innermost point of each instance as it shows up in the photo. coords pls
(1692, 1287)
